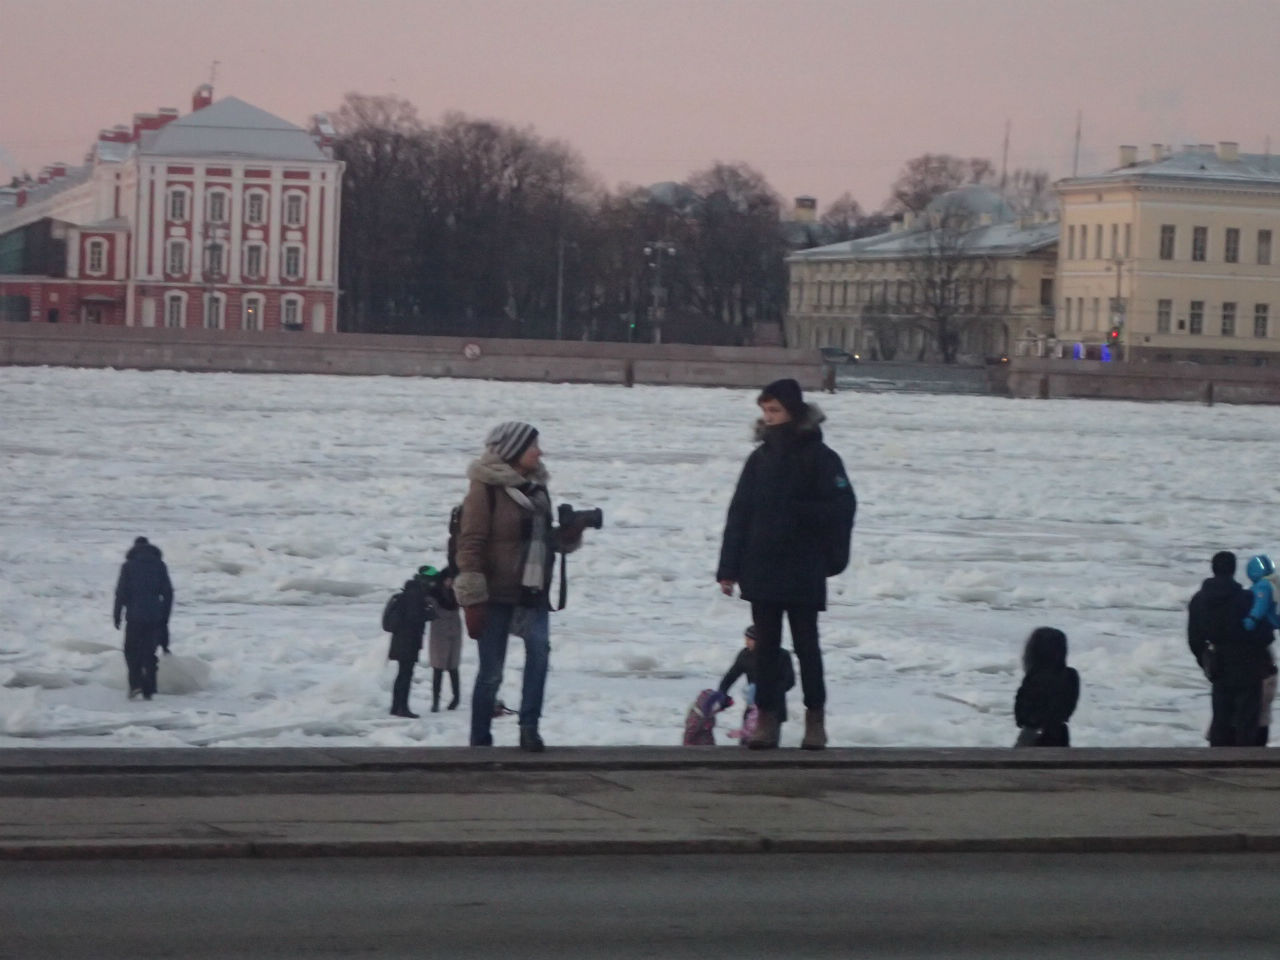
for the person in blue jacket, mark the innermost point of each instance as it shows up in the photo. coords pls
(1262, 578)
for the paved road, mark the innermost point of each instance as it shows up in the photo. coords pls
(958, 906)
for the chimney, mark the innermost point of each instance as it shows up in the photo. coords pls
(908, 220)
(1128, 155)
(143, 121)
(1157, 152)
(806, 210)
(57, 170)
(1206, 149)
(1228, 151)
(44, 175)
(984, 220)
(202, 97)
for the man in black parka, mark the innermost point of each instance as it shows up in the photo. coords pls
(1241, 660)
(145, 596)
(788, 529)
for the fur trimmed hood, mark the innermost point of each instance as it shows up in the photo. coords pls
(810, 423)
(491, 469)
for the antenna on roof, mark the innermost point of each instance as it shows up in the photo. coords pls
(1266, 163)
(1075, 160)
(213, 72)
(1004, 160)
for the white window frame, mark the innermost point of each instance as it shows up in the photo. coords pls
(170, 196)
(175, 297)
(96, 246)
(220, 269)
(176, 243)
(301, 197)
(225, 196)
(261, 250)
(249, 197)
(294, 302)
(252, 301)
(220, 299)
(284, 261)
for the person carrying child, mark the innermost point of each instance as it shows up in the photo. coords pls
(1049, 691)
(744, 665)
(405, 617)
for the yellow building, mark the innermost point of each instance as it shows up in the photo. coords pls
(1176, 253)
(966, 279)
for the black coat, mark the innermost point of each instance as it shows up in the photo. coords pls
(1045, 701)
(415, 613)
(143, 592)
(745, 665)
(792, 497)
(1216, 615)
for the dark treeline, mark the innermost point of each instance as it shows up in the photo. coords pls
(473, 227)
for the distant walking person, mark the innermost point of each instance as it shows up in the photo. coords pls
(144, 595)
(1235, 659)
(787, 531)
(1049, 691)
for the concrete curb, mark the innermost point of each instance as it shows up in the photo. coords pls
(284, 849)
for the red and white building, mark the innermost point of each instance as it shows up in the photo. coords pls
(226, 218)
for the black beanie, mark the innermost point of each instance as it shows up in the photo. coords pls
(1224, 564)
(140, 541)
(786, 392)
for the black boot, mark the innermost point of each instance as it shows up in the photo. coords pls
(456, 683)
(435, 690)
(529, 740)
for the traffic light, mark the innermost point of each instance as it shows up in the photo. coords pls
(1113, 338)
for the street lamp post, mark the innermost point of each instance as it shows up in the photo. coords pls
(654, 251)
(1118, 308)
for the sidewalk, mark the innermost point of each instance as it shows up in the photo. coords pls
(90, 804)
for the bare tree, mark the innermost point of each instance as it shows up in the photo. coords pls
(1031, 192)
(931, 174)
(840, 221)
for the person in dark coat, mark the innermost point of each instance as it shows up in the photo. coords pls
(1049, 691)
(144, 595)
(788, 529)
(1236, 660)
(744, 665)
(408, 623)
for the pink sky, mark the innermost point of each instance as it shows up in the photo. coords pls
(822, 96)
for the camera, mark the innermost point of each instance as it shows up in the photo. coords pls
(569, 517)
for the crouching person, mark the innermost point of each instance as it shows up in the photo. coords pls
(506, 546)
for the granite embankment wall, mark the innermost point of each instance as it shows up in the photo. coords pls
(138, 348)
(1037, 377)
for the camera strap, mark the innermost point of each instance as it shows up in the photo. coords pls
(564, 584)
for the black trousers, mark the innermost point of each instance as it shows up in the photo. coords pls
(400, 688)
(803, 621)
(1235, 714)
(140, 643)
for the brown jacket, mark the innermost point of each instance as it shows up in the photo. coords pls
(491, 537)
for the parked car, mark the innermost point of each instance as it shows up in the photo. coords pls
(836, 355)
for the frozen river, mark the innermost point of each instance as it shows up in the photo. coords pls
(289, 507)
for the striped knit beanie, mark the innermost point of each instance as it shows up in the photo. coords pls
(509, 440)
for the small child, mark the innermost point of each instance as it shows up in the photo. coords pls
(444, 642)
(745, 665)
(405, 617)
(1049, 691)
(700, 721)
(1263, 585)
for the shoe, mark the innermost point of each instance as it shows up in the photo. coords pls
(767, 732)
(815, 732)
(134, 693)
(435, 706)
(530, 741)
(146, 696)
(406, 713)
(453, 704)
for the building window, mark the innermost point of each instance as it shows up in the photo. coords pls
(175, 311)
(293, 209)
(1097, 314)
(291, 314)
(255, 207)
(1260, 311)
(1128, 240)
(1071, 242)
(1196, 318)
(1164, 315)
(176, 258)
(1231, 246)
(1264, 247)
(1097, 242)
(213, 312)
(293, 262)
(1228, 319)
(253, 261)
(97, 259)
(1168, 234)
(1115, 240)
(1079, 313)
(178, 205)
(217, 206)
(213, 260)
(252, 314)
(1199, 243)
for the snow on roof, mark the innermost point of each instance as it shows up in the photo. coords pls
(996, 239)
(232, 128)
(110, 151)
(1195, 163)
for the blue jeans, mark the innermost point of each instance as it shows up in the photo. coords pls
(492, 647)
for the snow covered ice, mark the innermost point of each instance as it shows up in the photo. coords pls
(289, 507)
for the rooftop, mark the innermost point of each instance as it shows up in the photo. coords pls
(1193, 162)
(232, 128)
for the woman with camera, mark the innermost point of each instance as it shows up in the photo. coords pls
(507, 543)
